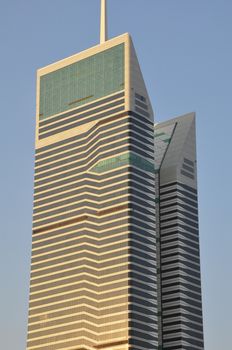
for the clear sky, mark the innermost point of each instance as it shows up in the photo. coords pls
(185, 51)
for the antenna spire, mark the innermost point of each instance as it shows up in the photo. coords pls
(103, 34)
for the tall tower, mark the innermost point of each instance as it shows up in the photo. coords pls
(115, 246)
(178, 258)
(93, 267)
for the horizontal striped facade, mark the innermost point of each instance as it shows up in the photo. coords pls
(115, 244)
(180, 268)
(93, 271)
(178, 257)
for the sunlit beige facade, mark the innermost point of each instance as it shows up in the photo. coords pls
(93, 267)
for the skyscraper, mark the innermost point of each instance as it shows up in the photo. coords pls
(178, 260)
(93, 271)
(98, 184)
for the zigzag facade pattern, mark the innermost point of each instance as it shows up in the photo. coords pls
(178, 256)
(93, 281)
(115, 251)
(181, 291)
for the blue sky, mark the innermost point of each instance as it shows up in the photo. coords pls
(185, 51)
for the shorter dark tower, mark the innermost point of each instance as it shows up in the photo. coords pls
(179, 279)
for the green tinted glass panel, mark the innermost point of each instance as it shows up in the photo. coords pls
(82, 82)
(167, 140)
(121, 160)
(159, 134)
